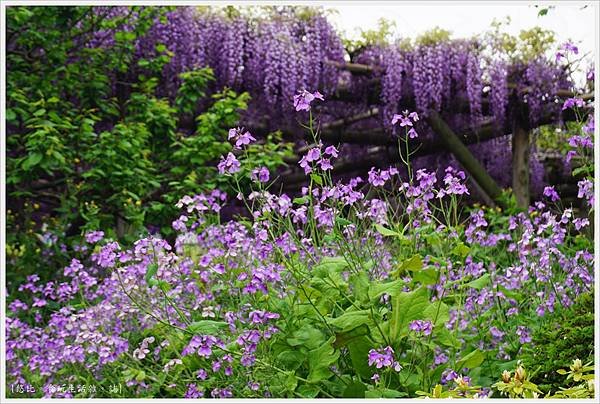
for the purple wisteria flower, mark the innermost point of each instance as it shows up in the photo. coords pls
(303, 99)
(229, 165)
(421, 326)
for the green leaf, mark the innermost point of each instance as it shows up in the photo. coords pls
(437, 311)
(471, 360)
(406, 307)
(480, 282)
(414, 263)
(340, 221)
(32, 160)
(320, 360)
(150, 272)
(461, 250)
(428, 276)
(355, 390)
(301, 200)
(10, 115)
(307, 336)
(291, 359)
(207, 327)
(385, 231)
(317, 179)
(329, 265)
(308, 390)
(376, 289)
(359, 355)
(350, 320)
(344, 338)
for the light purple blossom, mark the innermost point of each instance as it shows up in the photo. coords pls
(229, 165)
(303, 99)
(421, 326)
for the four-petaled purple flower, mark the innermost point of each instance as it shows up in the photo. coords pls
(303, 99)
(260, 174)
(551, 193)
(229, 165)
(421, 326)
(573, 102)
(240, 138)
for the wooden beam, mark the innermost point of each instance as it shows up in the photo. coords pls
(463, 155)
(520, 164)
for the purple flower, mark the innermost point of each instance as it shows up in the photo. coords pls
(240, 138)
(448, 375)
(586, 190)
(303, 99)
(260, 174)
(421, 326)
(412, 133)
(524, 334)
(551, 193)
(94, 236)
(313, 154)
(229, 165)
(332, 151)
(325, 164)
(381, 357)
(573, 102)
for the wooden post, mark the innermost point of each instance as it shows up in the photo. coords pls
(520, 164)
(464, 156)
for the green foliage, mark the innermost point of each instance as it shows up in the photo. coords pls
(91, 142)
(565, 334)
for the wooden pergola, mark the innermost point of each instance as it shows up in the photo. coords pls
(385, 146)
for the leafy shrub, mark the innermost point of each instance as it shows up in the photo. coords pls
(565, 334)
(92, 145)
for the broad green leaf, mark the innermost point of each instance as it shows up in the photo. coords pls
(480, 282)
(308, 390)
(376, 289)
(350, 320)
(307, 336)
(355, 390)
(344, 338)
(291, 359)
(385, 231)
(359, 355)
(317, 179)
(320, 361)
(437, 311)
(414, 263)
(207, 327)
(471, 360)
(406, 307)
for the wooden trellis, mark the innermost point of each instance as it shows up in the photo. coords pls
(336, 132)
